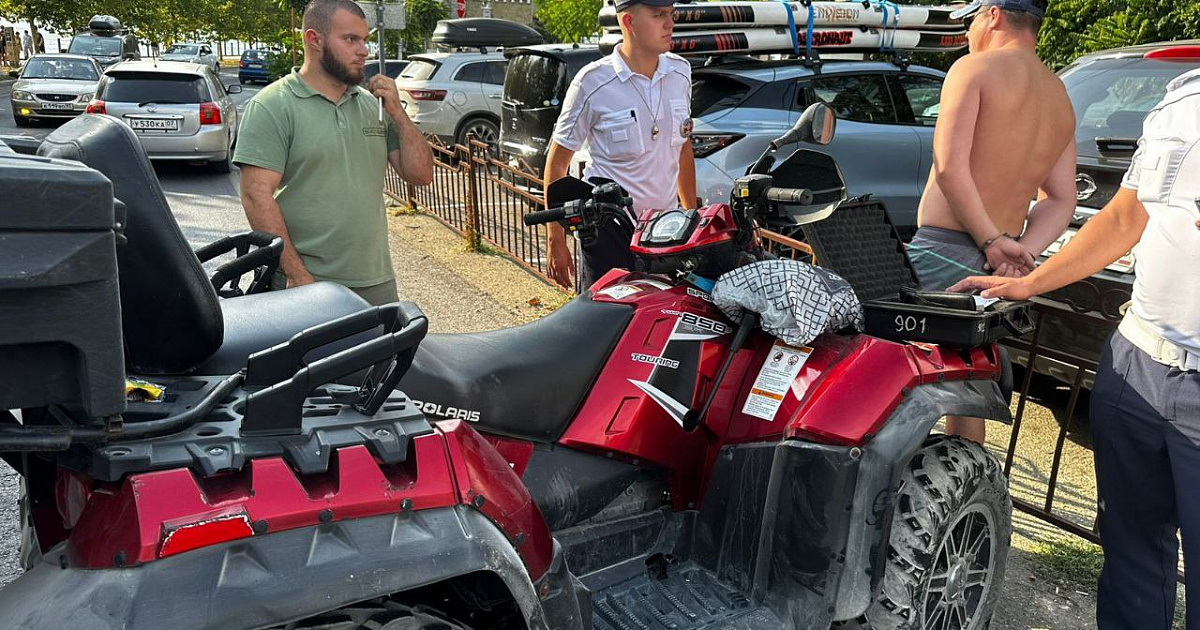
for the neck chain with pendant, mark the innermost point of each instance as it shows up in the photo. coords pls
(654, 119)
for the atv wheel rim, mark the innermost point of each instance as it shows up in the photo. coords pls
(962, 575)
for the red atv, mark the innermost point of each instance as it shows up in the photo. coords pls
(635, 460)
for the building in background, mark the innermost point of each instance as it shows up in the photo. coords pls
(516, 10)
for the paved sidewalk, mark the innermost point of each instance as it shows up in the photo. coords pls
(461, 291)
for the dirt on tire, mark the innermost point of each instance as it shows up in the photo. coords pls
(949, 541)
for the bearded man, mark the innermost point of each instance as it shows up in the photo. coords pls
(313, 151)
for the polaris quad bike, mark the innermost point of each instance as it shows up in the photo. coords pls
(635, 460)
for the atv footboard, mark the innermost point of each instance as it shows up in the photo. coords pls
(817, 549)
(264, 581)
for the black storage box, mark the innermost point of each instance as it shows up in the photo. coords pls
(60, 310)
(859, 243)
(484, 33)
(893, 319)
(104, 24)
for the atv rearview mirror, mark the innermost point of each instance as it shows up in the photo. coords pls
(816, 125)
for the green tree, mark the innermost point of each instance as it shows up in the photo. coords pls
(420, 18)
(251, 20)
(1077, 27)
(57, 15)
(570, 20)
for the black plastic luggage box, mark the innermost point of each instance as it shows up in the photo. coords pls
(60, 309)
(859, 243)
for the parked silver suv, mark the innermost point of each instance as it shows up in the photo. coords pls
(450, 95)
(180, 111)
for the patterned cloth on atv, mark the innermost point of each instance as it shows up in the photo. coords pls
(795, 301)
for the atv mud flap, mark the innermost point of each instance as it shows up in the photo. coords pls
(817, 551)
(883, 461)
(267, 580)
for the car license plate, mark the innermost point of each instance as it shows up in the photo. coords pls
(154, 124)
(1124, 264)
(56, 106)
(254, 65)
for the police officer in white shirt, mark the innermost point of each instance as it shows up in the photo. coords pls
(1145, 406)
(632, 109)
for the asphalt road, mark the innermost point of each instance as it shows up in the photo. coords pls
(207, 207)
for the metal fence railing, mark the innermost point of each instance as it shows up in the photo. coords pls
(484, 199)
(1033, 348)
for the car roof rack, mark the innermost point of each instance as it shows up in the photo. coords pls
(901, 58)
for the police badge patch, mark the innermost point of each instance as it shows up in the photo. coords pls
(685, 130)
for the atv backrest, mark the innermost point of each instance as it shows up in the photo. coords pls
(172, 319)
(859, 243)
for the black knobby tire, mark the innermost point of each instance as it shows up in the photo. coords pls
(381, 614)
(949, 542)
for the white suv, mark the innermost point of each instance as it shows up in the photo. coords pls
(451, 95)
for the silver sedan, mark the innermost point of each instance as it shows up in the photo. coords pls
(53, 87)
(192, 53)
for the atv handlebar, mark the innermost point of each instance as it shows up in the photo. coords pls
(801, 196)
(538, 217)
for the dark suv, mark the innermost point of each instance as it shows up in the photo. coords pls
(534, 88)
(1112, 92)
(886, 114)
(106, 42)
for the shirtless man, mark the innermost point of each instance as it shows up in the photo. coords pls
(1005, 135)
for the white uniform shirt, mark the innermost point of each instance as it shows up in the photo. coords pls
(1165, 172)
(613, 111)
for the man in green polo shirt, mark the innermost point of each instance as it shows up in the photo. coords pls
(313, 153)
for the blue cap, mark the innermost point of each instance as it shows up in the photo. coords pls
(1033, 7)
(625, 4)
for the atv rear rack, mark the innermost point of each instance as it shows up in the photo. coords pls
(279, 405)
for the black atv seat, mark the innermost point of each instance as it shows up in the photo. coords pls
(255, 322)
(172, 319)
(525, 382)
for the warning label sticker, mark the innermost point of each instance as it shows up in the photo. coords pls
(620, 291)
(774, 380)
